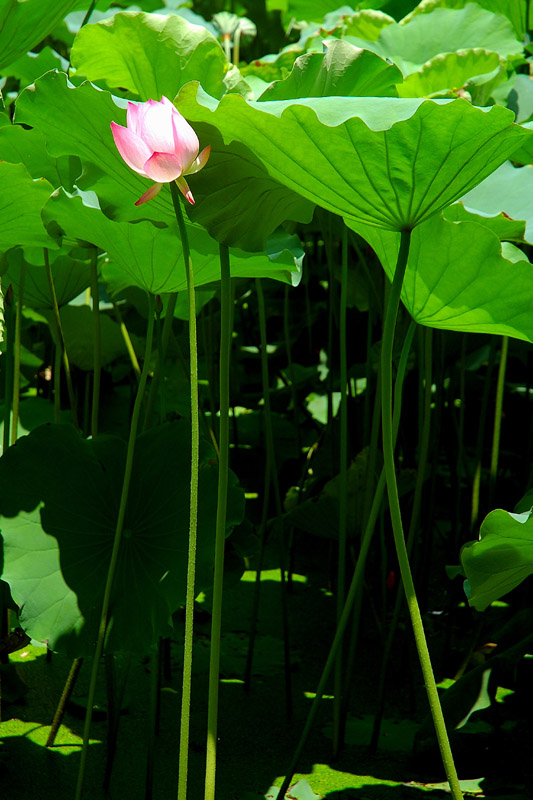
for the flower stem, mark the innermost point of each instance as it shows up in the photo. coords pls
(396, 518)
(183, 760)
(97, 366)
(223, 467)
(497, 419)
(116, 546)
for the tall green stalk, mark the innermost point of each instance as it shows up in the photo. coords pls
(9, 320)
(222, 496)
(16, 355)
(497, 419)
(193, 507)
(357, 575)
(396, 517)
(343, 492)
(413, 527)
(116, 548)
(271, 460)
(97, 358)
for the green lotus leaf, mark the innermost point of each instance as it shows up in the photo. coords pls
(445, 30)
(151, 257)
(518, 96)
(460, 277)
(25, 24)
(237, 201)
(366, 23)
(58, 529)
(506, 229)
(150, 55)
(31, 66)
(464, 70)
(20, 208)
(382, 161)
(508, 190)
(343, 70)
(20, 145)
(514, 10)
(71, 277)
(501, 559)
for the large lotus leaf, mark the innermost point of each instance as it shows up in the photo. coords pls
(151, 257)
(25, 24)
(60, 499)
(445, 30)
(383, 161)
(453, 72)
(514, 10)
(343, 70)
(460, 277)
(20, 208)
(71, 277)
(20, 145)
(150, 54)
(509, 190)
(501, 559)
(518, 96)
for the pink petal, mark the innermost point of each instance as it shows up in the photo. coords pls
(183, 186)
(186, 142)
(163, 167)
(132, 149)
(199, 162)
(156, 129)
(150, 194)
(134, 111)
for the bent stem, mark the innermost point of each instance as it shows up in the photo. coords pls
(16, 356)
(357, 575)
(61, 338)
(220, 537)
(183, 759)
(116, 546)
(396, 517)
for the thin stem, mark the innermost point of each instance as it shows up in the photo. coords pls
(127, 341)
(162, 348)
(396, 518)
(61, 338)
(357, 575)
(116, 546)
(413, 526)
(9, 316)
(222, 495)
(498, 419)
(343, 491)
(193, 507)
(68, 688)
(271, 460)
(16, 358)
(97, 359)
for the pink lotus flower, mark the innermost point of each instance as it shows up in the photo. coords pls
(159, 143)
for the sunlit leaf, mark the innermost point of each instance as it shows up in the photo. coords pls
(150, 54)
(461, 277)
(20, 208)
(383, 161)
(343, 70)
